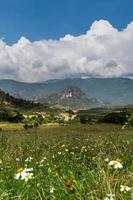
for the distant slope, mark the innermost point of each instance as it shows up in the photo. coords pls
(7, 101)
(113, 91)
(73, 98)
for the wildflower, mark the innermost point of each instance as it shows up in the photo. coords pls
(17, 159)
(106, 159)
(72, 153)
(29, 159)
(0, 161)
(59, 153)
(124, 188)
(24, 174)
(110, 197)
(116, 164)
(52, 189)
(42, 161)
(56, 173)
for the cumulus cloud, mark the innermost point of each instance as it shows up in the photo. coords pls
(102, 52)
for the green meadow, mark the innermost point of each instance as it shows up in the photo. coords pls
(69, 162)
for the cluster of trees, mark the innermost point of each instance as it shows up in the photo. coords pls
(124, 118)
(86, 119)
(10, 116)
(116, 117)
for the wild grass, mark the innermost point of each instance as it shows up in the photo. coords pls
(69, 162)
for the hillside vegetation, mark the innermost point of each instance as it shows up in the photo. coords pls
(7, 100)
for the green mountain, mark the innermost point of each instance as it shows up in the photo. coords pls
(112, 92)
(72, 98)
(9, 102)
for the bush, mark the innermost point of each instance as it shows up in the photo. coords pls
(30, 125)
(33, 122)
(84, 119)
(54, 118)
(116, 117)
(11, 116)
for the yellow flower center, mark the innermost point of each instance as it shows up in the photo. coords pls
(20, 170)
(27, 175)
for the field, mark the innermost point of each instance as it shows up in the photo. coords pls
(69, 162)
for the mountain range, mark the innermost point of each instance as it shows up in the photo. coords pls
(111, 92)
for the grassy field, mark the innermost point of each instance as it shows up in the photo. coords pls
(69, 162)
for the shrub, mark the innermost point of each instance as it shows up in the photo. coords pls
(121, 117)
(84, 119)
(33, 122)
(11, 116)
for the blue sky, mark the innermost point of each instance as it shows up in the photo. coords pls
(52, 19)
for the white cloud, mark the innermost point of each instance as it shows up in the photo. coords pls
(102, 52)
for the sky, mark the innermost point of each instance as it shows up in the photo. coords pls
(52, 19)
(48, 39)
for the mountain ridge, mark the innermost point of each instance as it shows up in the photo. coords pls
(113, 91)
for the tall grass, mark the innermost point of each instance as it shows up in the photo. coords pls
(69, 163)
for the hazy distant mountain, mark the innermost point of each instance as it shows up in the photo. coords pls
(113, 91)
(72, 97)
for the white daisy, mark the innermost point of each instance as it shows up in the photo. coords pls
(116, 164)
(52, 189)
(24, 174)
(106, 159)
(29, 159)
(110, 196)
(17, 159)
(124, 188)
